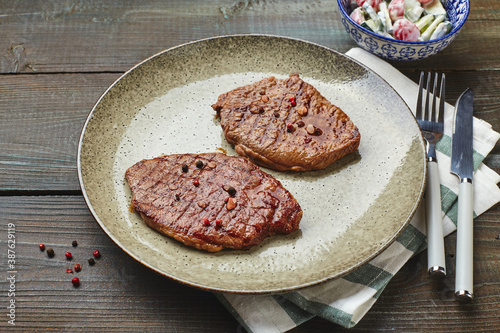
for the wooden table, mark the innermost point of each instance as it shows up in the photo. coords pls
(58, 57)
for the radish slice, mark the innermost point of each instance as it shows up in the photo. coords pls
(406, 30)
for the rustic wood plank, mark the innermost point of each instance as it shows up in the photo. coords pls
(41, 120)
(97, 36)
(54, 36)
(118, 294)
(69, 52)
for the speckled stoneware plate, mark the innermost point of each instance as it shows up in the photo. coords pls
(352, 210)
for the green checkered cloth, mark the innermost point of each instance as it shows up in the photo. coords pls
(346, 300)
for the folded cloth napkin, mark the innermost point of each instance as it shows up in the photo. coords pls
(346, 300)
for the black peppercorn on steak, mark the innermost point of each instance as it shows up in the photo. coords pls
(211, 201)
(286, 124)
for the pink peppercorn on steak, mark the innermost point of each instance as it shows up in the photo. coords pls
(211, 201)
(286, 124)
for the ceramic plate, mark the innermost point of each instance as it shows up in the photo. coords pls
(352, 210)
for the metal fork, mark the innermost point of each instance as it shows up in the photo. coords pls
(431, 125)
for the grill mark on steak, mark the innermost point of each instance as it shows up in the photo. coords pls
(326, 133)
(264, 208)
(242, 193)
(148, 176)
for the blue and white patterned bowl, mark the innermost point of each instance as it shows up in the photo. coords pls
(458, 11)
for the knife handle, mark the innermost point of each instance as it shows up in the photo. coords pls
(464, 257)
(435, 240)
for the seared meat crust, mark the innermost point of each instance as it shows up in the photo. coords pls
(286, 124)
(211, 201)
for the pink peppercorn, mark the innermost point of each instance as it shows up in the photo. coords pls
(75, 281)
(68, 255)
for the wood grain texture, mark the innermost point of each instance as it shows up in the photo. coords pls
(90, 36)
(58, 57)
(42, 117)
(95, 36)
(118, 294)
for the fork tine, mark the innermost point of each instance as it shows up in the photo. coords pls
(427, 97)
(441, 100)
(418, 111)
(434, 112)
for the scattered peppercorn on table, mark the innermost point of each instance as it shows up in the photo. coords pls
(61, 272)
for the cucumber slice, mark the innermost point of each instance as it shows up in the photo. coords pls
(435, 8)
(375, 24)
(441, 30)
(428, 32)
(369, 9)
(385, 18)
(413, 10)
(370, 25)
(424, 22)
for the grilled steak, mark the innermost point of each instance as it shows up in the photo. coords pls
(286, 124)
(211, 201)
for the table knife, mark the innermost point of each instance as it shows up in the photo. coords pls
(462, 166)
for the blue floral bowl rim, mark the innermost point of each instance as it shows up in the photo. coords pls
(451, 33)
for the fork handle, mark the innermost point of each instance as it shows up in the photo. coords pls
(435, 240)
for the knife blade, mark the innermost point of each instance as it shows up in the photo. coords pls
(462, 167)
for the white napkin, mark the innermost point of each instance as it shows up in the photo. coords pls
(346, 300)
